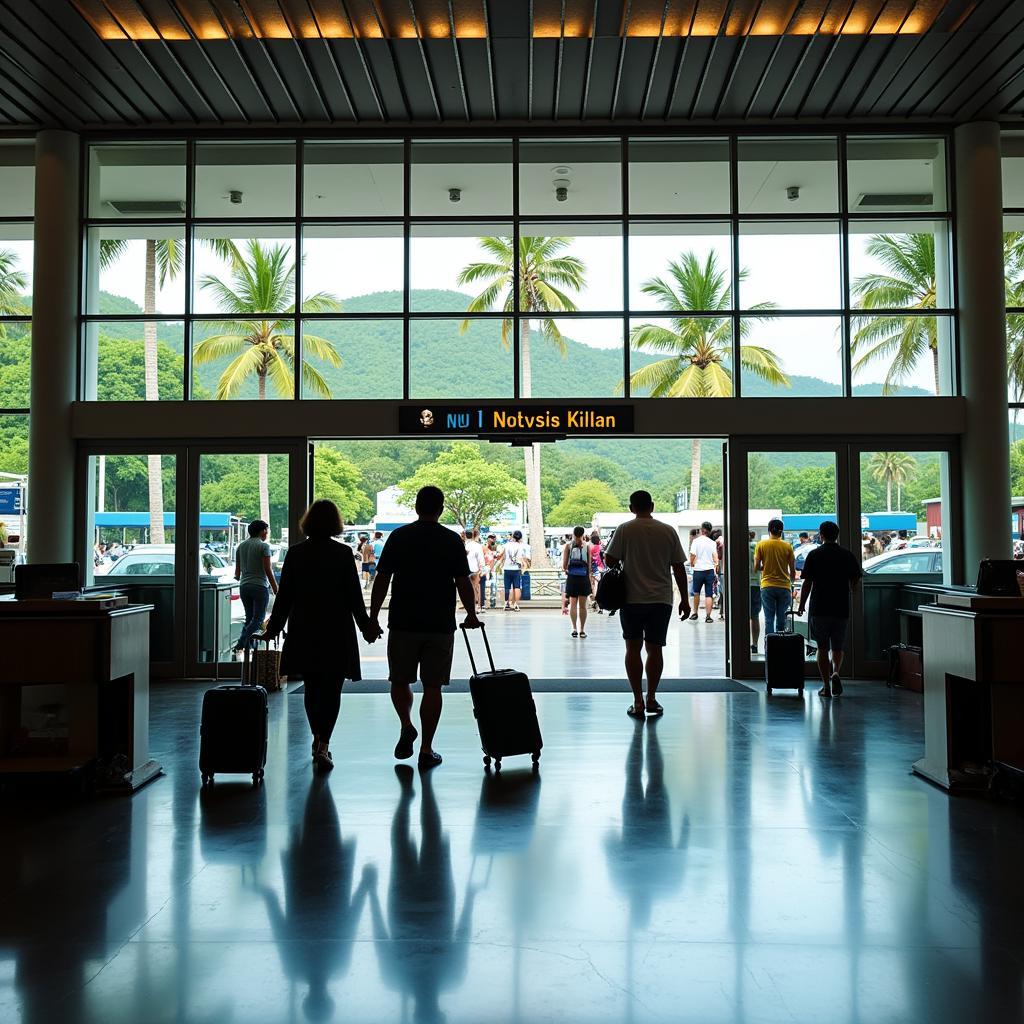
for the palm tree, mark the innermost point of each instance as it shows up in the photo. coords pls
(546, 276)
(262, 282)
(12, 283)
(698, 351)
(894, 468)
(1013, 261)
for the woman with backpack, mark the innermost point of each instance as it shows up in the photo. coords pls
(578, 569)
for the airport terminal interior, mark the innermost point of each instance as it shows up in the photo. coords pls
(760, 259)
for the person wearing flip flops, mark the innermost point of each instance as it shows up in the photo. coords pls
(829, 574)
(650, 554)
(429, 565)
(577, 566)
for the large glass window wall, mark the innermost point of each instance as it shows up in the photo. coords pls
(1013, 259)
(728, 266)
(17, 200)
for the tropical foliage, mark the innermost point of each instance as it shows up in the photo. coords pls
(263, 281)
(547, 277)
(582, 500)
(892, 468)
(697, 351)
(475, 490)
(12, 286)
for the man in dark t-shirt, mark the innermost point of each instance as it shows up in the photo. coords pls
(428, 563)
(830, 572)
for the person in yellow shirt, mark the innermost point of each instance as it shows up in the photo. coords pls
(775, 561)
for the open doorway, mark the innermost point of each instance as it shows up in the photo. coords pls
(582, 482)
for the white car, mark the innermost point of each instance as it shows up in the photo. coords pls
(909, 560)
(158, 560)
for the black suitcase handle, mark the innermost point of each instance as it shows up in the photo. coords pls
(469, 650)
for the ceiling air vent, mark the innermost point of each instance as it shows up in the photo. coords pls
(147, 207)
(895, 200)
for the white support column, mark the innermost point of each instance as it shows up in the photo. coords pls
(985, 478)
(54, 348)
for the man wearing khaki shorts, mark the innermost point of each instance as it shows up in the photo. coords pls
(429, 564)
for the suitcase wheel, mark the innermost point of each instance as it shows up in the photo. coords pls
(487, 761)
(536, 756)
(257, 777)
(497, 764)
(207, 778)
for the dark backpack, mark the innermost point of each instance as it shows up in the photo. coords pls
(611, 590)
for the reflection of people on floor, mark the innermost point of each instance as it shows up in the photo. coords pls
(421, 949)
(316, 928)
(645, 860)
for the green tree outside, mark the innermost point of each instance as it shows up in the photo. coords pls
(582, 500)
(475, 490)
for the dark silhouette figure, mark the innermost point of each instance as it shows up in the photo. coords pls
(316, 927)
(421, 949)
(645, 861)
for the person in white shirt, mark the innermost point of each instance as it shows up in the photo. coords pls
(650, 554)
(515, 558)
(475, 557)
(704, 561)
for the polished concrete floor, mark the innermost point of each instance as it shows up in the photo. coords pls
(738, 861)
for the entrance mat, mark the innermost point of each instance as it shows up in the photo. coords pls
(568, 686)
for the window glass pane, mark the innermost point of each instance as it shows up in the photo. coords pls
(788, 176)
(1016, 478)
(352, 179)
(580, 357)
(454, 265)
(116, 357)
(135, 269)
(900, 263)
(795, 356)
(243, 359)
(678, 176)
(17, 178)
(13, 449)
(460, 359)
(137, 180)
(16, 255)
(243, 269)
(790, 265)
(590, 172)
(245, 179)
(1013, 169)
(674, 266)
(902, 355)
(896, 175)
(352, 358)
(359, 265)
(581, 265)
(681, 357)
(14, 484)
(1013, 258)
(15, 364)
(479, 172)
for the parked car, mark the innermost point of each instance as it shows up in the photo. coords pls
(909, 560)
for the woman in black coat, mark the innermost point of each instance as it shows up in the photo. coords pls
(322, 602)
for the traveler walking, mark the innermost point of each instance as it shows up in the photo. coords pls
(378, 544)
(428, 563)
(475, 558)
(830, 573)
(515, 558)
(490, 551)
(596, 568)
(719, 538)
(754, 578)
(578, 579)
(650, 554)
(369, 557)
(775, 561)
(704, 562)
(256, 580)
(322, 603)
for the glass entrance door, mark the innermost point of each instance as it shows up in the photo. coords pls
(231, 593)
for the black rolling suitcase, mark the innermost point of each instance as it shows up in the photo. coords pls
(233, 734)
(784, 660)
(504, 710)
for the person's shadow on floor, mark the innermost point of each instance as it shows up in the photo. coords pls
(421, 949)
(315, 929)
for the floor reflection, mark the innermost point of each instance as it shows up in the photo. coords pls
(421, 949)
(317, 923)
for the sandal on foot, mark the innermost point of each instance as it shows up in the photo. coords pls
(404, 746)
(431, 760)
(574, 634)
(633, 713)
(837, 685)
(583, 635)
(825, 693)
(655, 710)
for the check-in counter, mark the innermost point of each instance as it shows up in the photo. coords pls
(74, 691)
(973, 689)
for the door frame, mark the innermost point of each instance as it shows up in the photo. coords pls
(297, 452)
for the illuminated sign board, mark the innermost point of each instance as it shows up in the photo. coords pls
(514, 420)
